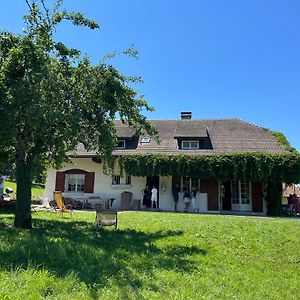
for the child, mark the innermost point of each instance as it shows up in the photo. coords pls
(154, 197)
(186, 200)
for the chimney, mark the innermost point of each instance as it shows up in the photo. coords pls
(186, 115)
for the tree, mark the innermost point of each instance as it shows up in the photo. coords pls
(52, 98)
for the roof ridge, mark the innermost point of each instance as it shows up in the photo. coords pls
(249, 123)
(202, 119)
(189, 120)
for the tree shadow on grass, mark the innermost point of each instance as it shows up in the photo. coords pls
(97, 256)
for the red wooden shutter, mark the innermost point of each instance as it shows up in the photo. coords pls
(211, 188)
(89, 182)
(60, 182)
(257, 197)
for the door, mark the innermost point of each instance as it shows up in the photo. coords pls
(241, 196)
(153, 181)
(226, 195)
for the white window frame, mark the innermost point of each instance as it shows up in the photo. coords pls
(189, 146)
(121, 147)
(116, 180)
(237, 199)
(128, 180)
(145, 140)
(121, 181)
(190, 183)
(77, 177)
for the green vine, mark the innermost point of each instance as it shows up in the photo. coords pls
(249, 166)
(281, 139)
(272, 169)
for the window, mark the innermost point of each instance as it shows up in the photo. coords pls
(245, 192)
(74, 182)
(240, 192)
(190, 145)
(145, 140)
(189, 183)
(235, 192)
(128, 179)
(121, 144)
(116, 179)
(121, 180)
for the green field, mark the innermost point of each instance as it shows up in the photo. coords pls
(150, 256)
(37, 189)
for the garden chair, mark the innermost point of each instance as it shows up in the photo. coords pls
(104, 216)
(58, 198)
(107, 218)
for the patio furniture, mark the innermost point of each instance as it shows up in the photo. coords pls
(103, 203)
(107, 218)
(61, 207)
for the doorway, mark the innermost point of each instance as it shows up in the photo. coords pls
(236, 195)
(151, 182)
(226, 195)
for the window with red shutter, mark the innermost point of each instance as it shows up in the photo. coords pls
(89, 182)
(75, 181)
(60, 182)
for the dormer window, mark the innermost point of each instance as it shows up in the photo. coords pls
(189, 145)
(121, 144)
(145, 140)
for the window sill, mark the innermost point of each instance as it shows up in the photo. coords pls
(120, 186)
(73, 193)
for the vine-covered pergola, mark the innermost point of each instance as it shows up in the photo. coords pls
(272, 169)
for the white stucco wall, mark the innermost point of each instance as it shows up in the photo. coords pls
(105, 189)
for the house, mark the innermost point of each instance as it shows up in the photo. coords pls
(86, 175)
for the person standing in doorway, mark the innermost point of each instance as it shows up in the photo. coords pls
(175, 193)
(154, 197)
(146, 197)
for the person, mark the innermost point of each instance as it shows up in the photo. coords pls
(175, 193)
(186, 200)
(193, 199)
(154, 197)
(295, 201)
(290, 204)
(2, 178)
(146, 196)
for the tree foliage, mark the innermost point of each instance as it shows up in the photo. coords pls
(52, 98)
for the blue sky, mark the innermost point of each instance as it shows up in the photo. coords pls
(216, 58)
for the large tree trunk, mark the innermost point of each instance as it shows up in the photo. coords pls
(23, 205)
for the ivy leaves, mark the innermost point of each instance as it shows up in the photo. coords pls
(249, 166)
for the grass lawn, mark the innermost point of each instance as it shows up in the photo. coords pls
(150, 256)
(37, 189)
